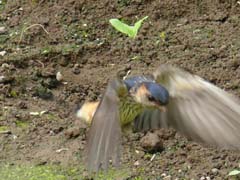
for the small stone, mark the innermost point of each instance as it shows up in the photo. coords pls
(163, 174)
(169, 177)
(59, 76)
(136, 163)
(2, 53)
(182, 21)
(6, 80)
(61, 150)
(2, 79)
(151, 142)
(5, 66)
(140, 154)
(2, 30)
(215, 171)
(51, 133)
(76, 69)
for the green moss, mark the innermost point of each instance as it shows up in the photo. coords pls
(111, 174)
(22, 124)
(3, 39)
(30, 173)
(2, 4)
(124, 3)
(138, 178)
(51, 117)
(13, 93)
(43, 92)
(53, 172)
(3, 128)
(46, 50)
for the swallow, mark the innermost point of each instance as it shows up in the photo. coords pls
(170, 97)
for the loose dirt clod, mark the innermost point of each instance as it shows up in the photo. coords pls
(151, 143)
(74, 132)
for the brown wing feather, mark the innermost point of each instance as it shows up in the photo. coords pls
(104, 141)
(199, 109)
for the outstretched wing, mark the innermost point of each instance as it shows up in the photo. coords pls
(104, 141)
(199, 109)
(150, 119)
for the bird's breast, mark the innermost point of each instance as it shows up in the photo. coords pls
(128, 111)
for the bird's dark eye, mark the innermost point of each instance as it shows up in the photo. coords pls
(151, 98)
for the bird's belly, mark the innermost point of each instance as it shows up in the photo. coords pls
(128, 112)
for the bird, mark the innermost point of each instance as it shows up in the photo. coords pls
(169, 98)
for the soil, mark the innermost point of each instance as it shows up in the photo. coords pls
(74, 37)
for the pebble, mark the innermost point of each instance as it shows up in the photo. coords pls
(3, 53)
(169, 177)
(136, 163)
(2, 78)
(76, 69)
(59, 76)
(6, 80)
(5, 66)
(163, 174)
(214, 170)
(205, 178)
(2, 30)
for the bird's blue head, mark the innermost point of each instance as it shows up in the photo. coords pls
(150, 94)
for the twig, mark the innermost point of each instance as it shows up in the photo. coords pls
(5, 132)
(40, 63)
(29, 27)
(152, 158)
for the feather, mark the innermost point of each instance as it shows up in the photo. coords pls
(104, 140)
(200, 110)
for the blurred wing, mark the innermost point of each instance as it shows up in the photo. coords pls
(104, 141)
(150, 119)
(200, 110)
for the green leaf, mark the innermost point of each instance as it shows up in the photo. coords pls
(131, 31)
(234, 173)
(138, 24)
(122, 27)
